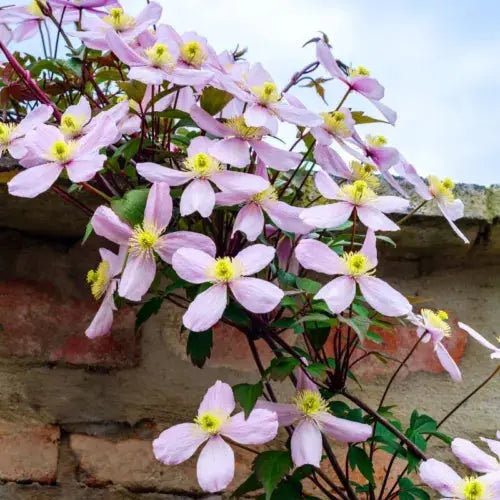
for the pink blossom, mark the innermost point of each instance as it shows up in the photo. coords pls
(310, 415)
(495, 354)
(337, 125)
(201, 168)
(370, 207)
(5, 34)
(449, 484)
(146, 240)
(353, 268)
(358, 80)
(474, 457)
(215, 467)
(85, 5)
(256, 295)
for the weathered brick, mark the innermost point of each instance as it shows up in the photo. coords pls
(28, 453)
(41, 325)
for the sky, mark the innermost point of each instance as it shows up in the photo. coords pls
(439, 61)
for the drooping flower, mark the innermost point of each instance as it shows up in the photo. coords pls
(370, 207)
(309, 412)
(238, 137)
(12, 135)
(215, 467)
(103, 285)
(495, 350)
(433, 325)
(256, 295)
(156, 61)
(474, 457)
(354, 268)
(201, 168)
(449, 484)
(358, 80)
(146, 240)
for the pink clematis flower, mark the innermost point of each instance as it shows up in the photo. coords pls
(95, 28)
(12, 135)
(337, 125)
(215, 467)
(358, 80)
(353, 268)
(201, 168)
(156, 61)
(449, 484)
(147, 239)
(495, 350)
(51, 153)
(433, 326)
(475, 458)
(256, 295)
(309, 412)
(370, 207)
(103, 284)
(85, 5)
(237, 140)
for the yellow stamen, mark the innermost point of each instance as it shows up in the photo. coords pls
(62, 151)
(377, 141)
(441, 189)
(336, 124)
(267, 92)
(143, 239)
(437, 320)
(6, 131)
(209, 422)
(359, 71)
(268, 194)
(192, 53)
(159, 55)
(358, 192)
(365, 172)
(357, 263)
(310, 402)
(473, 489)
(34, 9)
(71, 125)
(224, 270)
(99, 279)
(203, 165)
(241, 129)
(119, 20)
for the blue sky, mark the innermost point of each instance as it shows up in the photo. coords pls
(439, 61)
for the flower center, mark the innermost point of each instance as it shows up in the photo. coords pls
(359, 71)
(441, 189)
(99, 279)
(6, 131)
(241, 129)
(202, 164)
(62, 151)
(377, 141)
(34, 9)
(437, 320)
(71, 125)
(365, 172)
(119, 20)
(310, 402)
(192, 53)
(267, 92)
(268, 194)
(335, 123)
(357, 263)
(159, 55)
(225, 270)
(473, 489)
(209, 422)
(143, 239)
(358, 192)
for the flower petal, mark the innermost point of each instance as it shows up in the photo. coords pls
(447, 362)
(137, 276)
(103, 320)
(84, 168)
(382, 297)
(255, 258)
(198, 197)
(206, 309)
(260, 427)
(238, 181)
(440, 477)
(107, 224)
(327, 216)
(331, 161)
(342, 429)
(317, 256)
(374, 219)
(169, 243)
(192, 264)
(209, 123)
(473, 457)
(390, 204)
(234, 151)
(287, 414)
(276, 158)
(494, 446)
(338, 293)
(327, 186)
(159, 206)
(256, 295)
(250, 221)
(369, 248)
(219, 399)
(215, 468)
(286, 217)
(306, 444)
(35, 180)
(477, 336)
(156, 173)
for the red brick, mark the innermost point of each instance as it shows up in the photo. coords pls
(28, 453)
(39, 324)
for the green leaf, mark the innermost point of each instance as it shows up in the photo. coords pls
(358, 458)
(152, 306)
(318, 336)
(237, 314)
(199, 347)
(289, 489)
(308, 285)
(315, 317)
(131, 207)
(359, 117)
(250, 484)
(214, 100)
(270, 467)
(247, 395)
(135, 90)
(316, 369)
(88, 231)
(286, 279)
(282, 367)
(128, 150)
(382, 237)
(283, 323)
(359, 324)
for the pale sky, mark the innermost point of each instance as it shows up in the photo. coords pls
(439, 61)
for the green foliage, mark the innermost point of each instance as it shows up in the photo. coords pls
(282, 367)
(199, 346)
(135, 90)
(359, 459)
(270, 467)
(152, 306)
(214, 100)
(408, 491)
(131, 207)
(246, 395)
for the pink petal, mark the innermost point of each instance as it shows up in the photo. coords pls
(230, 198)
(318, 257)
(192, 265)
(448, 362)
(450, 213)
(215, 468)
(239, 181)
(36, 117)
(103, 133)
(35, 180)
(303, 381)
(156, 173)
(494, 446)
(276, 158)
(369, 248)
(200, 144)
(233, 151)
(256, 295)
(188, 76)
(327, 216)
(390, 204)
(103, 320)
(382, 297)
(115, 261)
(322, 136)
(440, 477)
(206, 309)
(287, 414)
(286, 217)
(338, 293)
(327, 60)
(207, 122)
(374, 219)
(331, 161)
(137, 276)
(84, 168)
(198, 197)
(178, 443)
(389, 114)
(169, 243)
(369, 87)
(123, 51)
(81, 110)
(260, 427)
(255, 258)
(327, 186)
(472, 456)
(306, 444)
(106, 223)
(342, 429)
(159, 206)
(257, 115)
(250, 221)
(147, 75)
(298, 116)
(218, 399)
